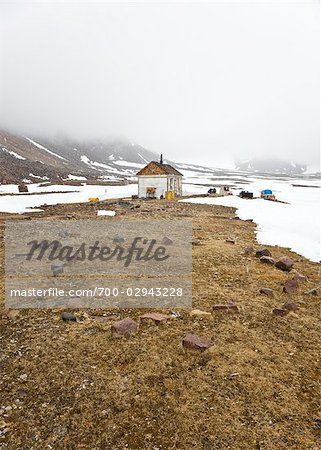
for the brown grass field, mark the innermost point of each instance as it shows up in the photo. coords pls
(74, 386)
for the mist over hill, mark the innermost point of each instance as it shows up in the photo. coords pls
(28, 158)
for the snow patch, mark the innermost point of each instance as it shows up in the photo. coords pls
(106, 212)
(75, 177)
(13, 153)
(38, 177)
(44, 148)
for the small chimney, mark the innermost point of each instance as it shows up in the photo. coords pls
(161, 159)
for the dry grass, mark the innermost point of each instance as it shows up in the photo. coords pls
(257, 388)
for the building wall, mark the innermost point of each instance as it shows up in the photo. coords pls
(157, 181)
(162, 183)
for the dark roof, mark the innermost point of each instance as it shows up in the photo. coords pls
(154, 168)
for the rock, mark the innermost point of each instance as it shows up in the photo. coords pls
(230, 241)
(68, 317)
(199, 313)
(249, 250)
(290, 306)
(23, 377)
(125, 327)
(267, 260)
(118, 240)
(280, 312)
(284, 263)
(299, 277)
(57, 268)
(196, 242)
(267, 291)
(290, 286)
(12, 313)
(262, 252)
(231, 306)
(220, 307)
(194, 342)
(313, 291)
(166, 241)
(155, 317)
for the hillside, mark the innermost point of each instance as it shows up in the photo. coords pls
(33, 158)
(276, 166)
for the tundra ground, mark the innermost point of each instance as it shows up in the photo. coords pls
(75, 386)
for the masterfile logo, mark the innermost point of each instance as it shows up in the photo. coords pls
(90, 263)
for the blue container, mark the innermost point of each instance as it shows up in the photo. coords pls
(266, 192)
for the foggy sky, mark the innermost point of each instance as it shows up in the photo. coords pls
(198, 82)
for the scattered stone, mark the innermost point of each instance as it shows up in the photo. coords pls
(68, 317)
(290, 286)
(199, 313)
(231, 306)
(267, 291)
(249, 250)
(290, 306)
(196, 242)
(230, 241)
(118, 240)
(234, 374)
(166, 241)
(12, 313)
(299, 277)
(194, 342)
(125, 327)
(267, 260)
(280, 312)
(155, 317)
(23, 377)
(21, 393)
(220, 307)
(313, 291)
(263, 252)
(284, 263)
(57, 268)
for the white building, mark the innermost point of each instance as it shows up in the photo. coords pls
(155, 179)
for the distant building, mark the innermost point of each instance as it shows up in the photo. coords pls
(225, 190)
(156, 179)
(267, 194)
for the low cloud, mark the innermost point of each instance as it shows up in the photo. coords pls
(195, 81)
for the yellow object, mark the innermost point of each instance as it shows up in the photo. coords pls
(93, 199)
(169, 195)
